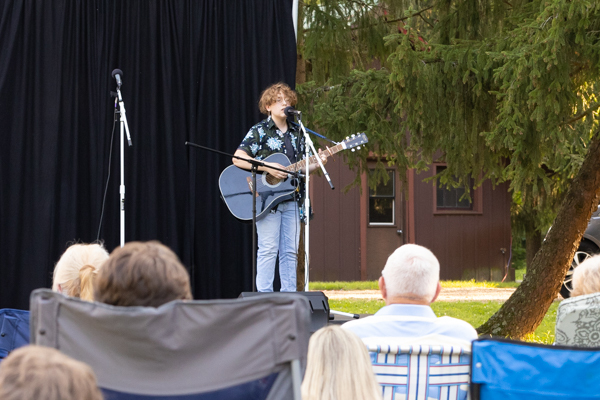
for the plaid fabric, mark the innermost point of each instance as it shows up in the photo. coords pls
(421, 372)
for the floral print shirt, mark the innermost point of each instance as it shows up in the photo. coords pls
(265, 139)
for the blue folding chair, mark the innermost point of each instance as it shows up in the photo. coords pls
(512, 370)
(14, 330)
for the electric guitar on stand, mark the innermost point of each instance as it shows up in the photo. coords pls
(236, 183)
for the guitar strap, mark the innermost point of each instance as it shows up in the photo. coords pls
(292, 154)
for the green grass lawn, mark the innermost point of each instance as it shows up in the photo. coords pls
(474, 312)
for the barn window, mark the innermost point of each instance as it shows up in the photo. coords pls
(382, 201)
(450, 198)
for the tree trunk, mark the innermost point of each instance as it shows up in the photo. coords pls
(533, 242)
(522, 313)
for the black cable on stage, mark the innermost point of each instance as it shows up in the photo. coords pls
(112, 137)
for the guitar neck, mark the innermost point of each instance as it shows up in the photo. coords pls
(313, 159)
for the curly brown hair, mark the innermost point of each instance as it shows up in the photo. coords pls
(269, 96)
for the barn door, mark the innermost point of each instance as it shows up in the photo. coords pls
(385, 210)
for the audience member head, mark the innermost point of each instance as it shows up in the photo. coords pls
(76, 270)
(586, 277)
(411, 275)
(142, 274)
(270, 94)
(35, 372)
(338, 367)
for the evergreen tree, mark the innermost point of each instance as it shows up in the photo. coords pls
(506, 90)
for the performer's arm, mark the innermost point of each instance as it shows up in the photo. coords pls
(246, 165)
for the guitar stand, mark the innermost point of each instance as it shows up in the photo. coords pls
(255, 164)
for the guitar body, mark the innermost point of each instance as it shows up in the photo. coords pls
(236, 189)
(236, 183)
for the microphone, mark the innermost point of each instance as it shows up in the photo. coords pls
(117, 74)
(290, 111)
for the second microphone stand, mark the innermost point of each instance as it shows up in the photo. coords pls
(124, 129)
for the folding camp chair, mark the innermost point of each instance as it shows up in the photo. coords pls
(513, 370)
(14, 330)
(578, 321)
(431, 367)
(221, 349)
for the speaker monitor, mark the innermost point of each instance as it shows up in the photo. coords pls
(319, 306)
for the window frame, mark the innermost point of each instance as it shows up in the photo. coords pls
(393, 197)
(476, 198)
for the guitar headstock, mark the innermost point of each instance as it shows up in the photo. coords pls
(355, 141)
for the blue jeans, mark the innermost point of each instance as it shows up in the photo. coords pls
(279, 232)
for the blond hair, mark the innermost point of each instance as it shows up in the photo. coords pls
(338, 368)
(586, 277)
(269, 96)
(35, 372)
(77, 268)
(144, 274)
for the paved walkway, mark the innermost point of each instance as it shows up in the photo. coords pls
(447, 294)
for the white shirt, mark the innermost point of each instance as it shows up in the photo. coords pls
(410, 320)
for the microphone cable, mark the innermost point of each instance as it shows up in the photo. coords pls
(112, 137)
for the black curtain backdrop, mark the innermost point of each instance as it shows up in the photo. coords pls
(193, 71)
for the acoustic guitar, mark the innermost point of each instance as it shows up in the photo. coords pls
(236, 183)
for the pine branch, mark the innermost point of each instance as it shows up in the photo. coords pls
(362, 4)
(418, 13)
(583, 114)
(388, 21)
(424, 19)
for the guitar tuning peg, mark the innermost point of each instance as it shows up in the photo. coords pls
(357, 147)
(353, 150)
(353, 135)
(347, 137)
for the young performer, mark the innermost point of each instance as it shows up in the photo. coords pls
(279, 230)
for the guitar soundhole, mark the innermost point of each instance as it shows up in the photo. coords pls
(271, 181)
(294, 182)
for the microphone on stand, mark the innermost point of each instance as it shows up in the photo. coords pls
(290, 111)
(117, 74)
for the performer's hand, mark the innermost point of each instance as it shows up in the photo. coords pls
(323, 156)
(277, 174)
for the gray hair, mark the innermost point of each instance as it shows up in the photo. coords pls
(412, 271)
(586, 277)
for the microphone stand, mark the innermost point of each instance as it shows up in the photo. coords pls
(124, 128)
(255, 164)
(307, 148)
